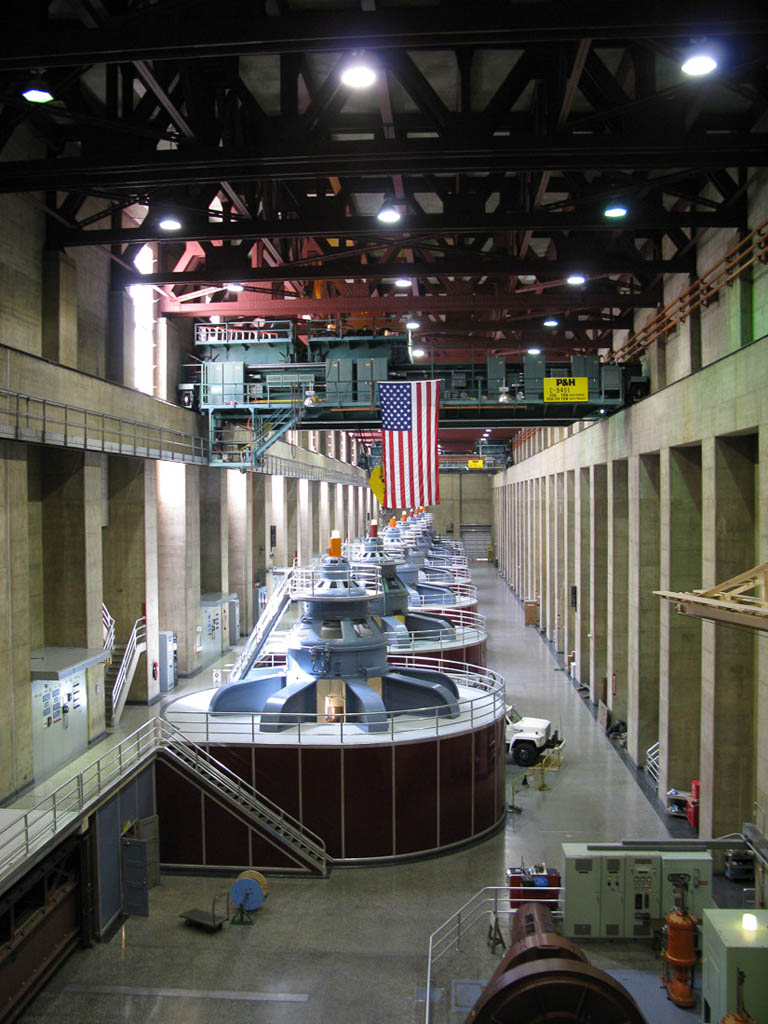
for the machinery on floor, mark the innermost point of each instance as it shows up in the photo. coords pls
(527, 739)
(336, 661)
(544, 978)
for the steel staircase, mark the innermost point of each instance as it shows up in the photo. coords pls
(267, 816)
(110, 679)
(269, 618)
(119, 675)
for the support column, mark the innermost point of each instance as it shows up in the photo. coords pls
(259, 487)
(550, 598)
(240, 537)
(680, 635)
(643, 638)
(570, 563)
(598, 580)
(339, 510)
(306, 520)
(729, 531)
(561, 589)
(276, 523)
(178, 558)
(323, 516)
(72, 567)
(583, 577)
(59, 319)
(617, 624)
(16, 762)
(291, 519)
(214, 531)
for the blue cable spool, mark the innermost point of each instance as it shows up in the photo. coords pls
(246, 894)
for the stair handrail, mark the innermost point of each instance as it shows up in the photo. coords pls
(176, 743)
(265, 623)
(108, 628)
(652, 756)
(137, 638)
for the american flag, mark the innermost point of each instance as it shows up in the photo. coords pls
(409, 415)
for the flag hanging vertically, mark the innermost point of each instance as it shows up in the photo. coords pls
(409, 421)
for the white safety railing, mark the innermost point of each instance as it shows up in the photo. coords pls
(493, 903)
(61, 809)
(463, 594)
(268, 619)
(467, 628)
(108, 628)
(137, 644)
(485, 706)
(311, 582)
(652, 756)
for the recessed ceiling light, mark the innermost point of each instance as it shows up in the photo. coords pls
(234, 286)
(388, 214)
(358, 74)
(698, 64)
(169, 223)
(551, 322)
(576, 279)
(615, 211)
(403, 282)
(537, 351)
(412, 325)
(37, 91)
(418, 353)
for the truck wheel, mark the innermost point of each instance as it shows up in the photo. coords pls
(525, 754)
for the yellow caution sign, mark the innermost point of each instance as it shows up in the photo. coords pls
(475, 463)
(377, 485)
(566, 389)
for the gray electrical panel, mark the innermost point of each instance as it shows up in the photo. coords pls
(234, 620)
(497, 375)
(167, 661)
(620, 894)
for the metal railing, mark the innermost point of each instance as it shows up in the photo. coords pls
(652, 758)
(311, 582)
(463, 595)
(108, 628)
(27, 418)
(481, 709)
(485, 907)
(137, 644)
(268, 619)
(36, 828)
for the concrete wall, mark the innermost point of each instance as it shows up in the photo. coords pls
(464, 498)
(683, 480)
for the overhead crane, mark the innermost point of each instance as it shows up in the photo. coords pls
(257, 379)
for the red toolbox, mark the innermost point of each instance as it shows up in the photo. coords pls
(534, 883)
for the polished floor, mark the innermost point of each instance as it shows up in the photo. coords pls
(352, 949)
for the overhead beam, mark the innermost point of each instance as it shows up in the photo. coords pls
(165, 36)
(471, 266)
(462, 153)
(426, 225)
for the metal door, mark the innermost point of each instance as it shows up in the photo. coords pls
(476, 540)
(133, 860)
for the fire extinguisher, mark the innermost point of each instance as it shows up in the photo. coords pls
(155, 669)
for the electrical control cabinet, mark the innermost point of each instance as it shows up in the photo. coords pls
(620, 894)
(728, 948)
(167, 661)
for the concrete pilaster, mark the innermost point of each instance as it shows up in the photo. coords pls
(240, 538)
(16, 767)
(729, 531)
(550, 596)
(339, 514)
(617, 625)
(570, 562)
(561, 590)
(323, 517)
(178, 559)
(59, 321)
(680, 635)
(598, 580)
(72, 561)
(306, 516)
(276, 522)
(582, 575)
(259, 487)
(291, 519)
(643, 637)
(214, 531)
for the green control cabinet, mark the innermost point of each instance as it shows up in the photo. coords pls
(622, 893)
(727, 948)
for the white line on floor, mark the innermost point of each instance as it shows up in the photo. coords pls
(190, 993)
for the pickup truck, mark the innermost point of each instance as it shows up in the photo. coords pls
(527, 739)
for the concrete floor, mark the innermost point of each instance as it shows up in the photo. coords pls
(353, 948)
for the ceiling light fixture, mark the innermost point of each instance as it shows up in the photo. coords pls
(215, 318)
(537, 351)
(306, 316)
(36, 90)
(615, 211)
(412, 325)
(699, 60)
(234, 286)
(551, 322)
(358, 73)
(403, 282)
(388, 214)
(169, 222)
(418, 353)
(575, 279)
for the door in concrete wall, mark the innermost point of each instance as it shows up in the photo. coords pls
(476, 538)
(135, 877)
